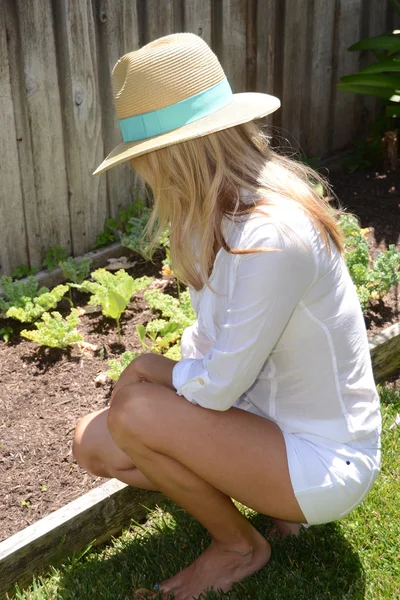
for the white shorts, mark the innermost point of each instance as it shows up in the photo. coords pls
(329, 481)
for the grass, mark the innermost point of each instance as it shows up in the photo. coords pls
(353, 559)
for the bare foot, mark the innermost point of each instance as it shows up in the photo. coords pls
(217, 569)
(282, 529)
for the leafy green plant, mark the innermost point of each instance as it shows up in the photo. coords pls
(5, 333)
(53, 256)
(118, 365)
(165, 333)
(371, 281)
(108, 235)
(54, 331)
(24, 271)
(120, 224)
(113, 292)
(31, 310)
(133, 238)
(75, 270)
(380, 79)
(17, 293)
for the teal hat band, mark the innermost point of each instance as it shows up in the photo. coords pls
(146, 125)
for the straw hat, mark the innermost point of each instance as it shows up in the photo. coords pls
(174, 89)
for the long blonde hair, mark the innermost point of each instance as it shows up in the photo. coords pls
(198, 182)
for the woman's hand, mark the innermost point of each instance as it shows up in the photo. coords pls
(151, 368)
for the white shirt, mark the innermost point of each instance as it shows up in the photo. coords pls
(282, 335)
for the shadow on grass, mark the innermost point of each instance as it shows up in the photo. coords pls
(318, 565)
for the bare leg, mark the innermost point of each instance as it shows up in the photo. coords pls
(281, 529)
(94, 449)
(201, 458)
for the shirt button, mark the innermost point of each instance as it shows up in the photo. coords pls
(201, 380)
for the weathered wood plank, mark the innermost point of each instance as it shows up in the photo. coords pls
(12, 220)
(197, 18)
(161, 18)
(233, 43)
(385, 352)
(26, 167)
(45, 130)
(94, 517)
(296, 77)
(118, 34)
(84, 150)
(344, 105)
(267, 14)
(320, 78)
(373, 24)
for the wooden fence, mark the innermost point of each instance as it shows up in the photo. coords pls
(57, 120)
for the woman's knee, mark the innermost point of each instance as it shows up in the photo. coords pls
(133, 409)
(85, 447)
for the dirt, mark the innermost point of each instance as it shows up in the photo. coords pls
(45, 392)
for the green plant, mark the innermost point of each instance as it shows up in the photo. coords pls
(5, 333)
(118, 365)
(120, 224)
(54, 331)
(382, 80)
(24, 271)
(372, 282)
(30, 310)
(16, 293)
(108, 235)
(113, 292)
(134, 238)
(75, 270)
(53, 256)
(165, 333)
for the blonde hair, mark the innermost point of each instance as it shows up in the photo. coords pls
(198, 182)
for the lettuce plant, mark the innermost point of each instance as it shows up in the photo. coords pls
(16, 293)
(75, 270)
(113, 292)
(118, 365)
(166, 332)
(29, 310)
(54, 331)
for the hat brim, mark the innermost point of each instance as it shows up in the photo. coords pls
(243, 108)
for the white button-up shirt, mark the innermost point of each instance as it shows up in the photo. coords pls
(281, 334)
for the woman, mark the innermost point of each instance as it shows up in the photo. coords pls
(273, 403)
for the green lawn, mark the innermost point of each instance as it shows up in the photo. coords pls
(358, 557)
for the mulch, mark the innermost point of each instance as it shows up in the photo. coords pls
(45, 392)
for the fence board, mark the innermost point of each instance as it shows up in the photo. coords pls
(118, 34)
(320, 78)
(160, 18)
(82, 120)
(197, 18)
(43, 102)
(25, 156)
(295, 79)
(374, 23)
(233, 43)
(12, 223)
(348, 24)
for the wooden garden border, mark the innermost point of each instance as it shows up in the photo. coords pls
(92, 518)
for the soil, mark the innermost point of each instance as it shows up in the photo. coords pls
(46, 391)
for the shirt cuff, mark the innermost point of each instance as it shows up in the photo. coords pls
(181, 382)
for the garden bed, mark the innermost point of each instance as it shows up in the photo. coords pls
(45, 392)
